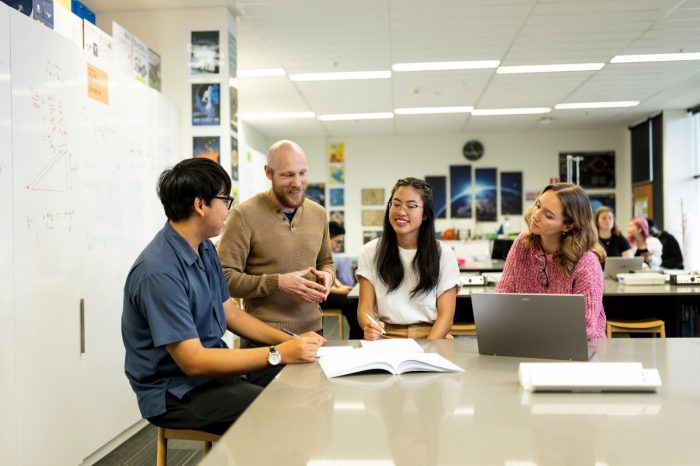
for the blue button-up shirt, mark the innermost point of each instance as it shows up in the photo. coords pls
(171, 294)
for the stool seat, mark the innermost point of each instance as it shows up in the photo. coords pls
(463, 329)
(165, 433)
(655, 326)
(337, 313)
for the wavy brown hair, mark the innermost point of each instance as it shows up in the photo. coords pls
(582, 237)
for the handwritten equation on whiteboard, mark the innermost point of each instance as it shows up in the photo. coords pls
(60, 221)
(55, 174)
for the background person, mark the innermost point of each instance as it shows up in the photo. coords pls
(275, 250)
(609, 235)
(408, 279)
(338, 297)
(643, 244)
(671, 255)
(177, 307)
(560, 253)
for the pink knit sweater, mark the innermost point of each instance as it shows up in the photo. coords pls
(522, 275)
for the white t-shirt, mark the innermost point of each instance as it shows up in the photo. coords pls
(398, 307)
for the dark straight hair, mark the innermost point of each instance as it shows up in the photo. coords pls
(426, 263)
(179, 186)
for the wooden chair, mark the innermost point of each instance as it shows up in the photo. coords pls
(654, 326)
(463, 329)
(337, 313)
(180, 434)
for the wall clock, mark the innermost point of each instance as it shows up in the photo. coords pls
(473, 150)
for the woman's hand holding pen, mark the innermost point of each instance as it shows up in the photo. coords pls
(373, 328)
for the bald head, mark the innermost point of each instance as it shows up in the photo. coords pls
(282, 151)
(286, 168)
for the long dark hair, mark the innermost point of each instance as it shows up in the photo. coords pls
(426, 263)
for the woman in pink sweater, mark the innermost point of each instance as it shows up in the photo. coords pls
(560, 253)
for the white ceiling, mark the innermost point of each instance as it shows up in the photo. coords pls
(367, 35)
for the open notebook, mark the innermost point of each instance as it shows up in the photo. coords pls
(395, 356)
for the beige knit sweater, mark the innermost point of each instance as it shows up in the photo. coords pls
(259, 244)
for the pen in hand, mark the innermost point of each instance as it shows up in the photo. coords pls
(289, 332)
(371, 319)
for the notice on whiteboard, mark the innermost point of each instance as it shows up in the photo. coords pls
(97, 84)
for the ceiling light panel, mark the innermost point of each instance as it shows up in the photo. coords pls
(446, 65)
(356, 116)
(432, 110)
(510, 111)
(341, 75)
(557, 68)
(587, 105)
(657, 57)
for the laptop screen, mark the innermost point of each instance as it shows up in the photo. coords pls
(550, 326)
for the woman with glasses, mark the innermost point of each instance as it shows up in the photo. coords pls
(559, 253)
(408, 279)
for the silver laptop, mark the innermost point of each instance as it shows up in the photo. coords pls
(549, 326)
(615, 265)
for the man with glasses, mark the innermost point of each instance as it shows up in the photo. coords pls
(177, 308)
(275, 250)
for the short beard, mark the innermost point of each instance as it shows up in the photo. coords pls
(281, 196)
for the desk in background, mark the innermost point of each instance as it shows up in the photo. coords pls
(481, 416)
(667, 302)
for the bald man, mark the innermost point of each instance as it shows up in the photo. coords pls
(275, 250)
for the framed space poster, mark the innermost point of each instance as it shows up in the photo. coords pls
(206, 104)
(208, 147)
(439, 186)
(512, 193)
(204, 53)
(486, 194)
(461, 191)
(317, 193)
(596, 170)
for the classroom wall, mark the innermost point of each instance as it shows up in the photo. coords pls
(168, 33)
(378, 161)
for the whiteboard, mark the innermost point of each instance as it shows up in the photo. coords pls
(83, 204)
(4, 34)
(8, 433)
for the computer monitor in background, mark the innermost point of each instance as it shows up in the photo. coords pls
(501, 248)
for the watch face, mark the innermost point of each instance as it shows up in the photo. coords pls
(473, 150)
(274, 358)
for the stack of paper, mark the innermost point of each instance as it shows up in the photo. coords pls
(588, 377)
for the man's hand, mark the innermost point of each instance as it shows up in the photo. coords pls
(302, 349)
(295, 284)
(325, 279)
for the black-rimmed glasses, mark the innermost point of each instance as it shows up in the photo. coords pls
(543, 275)
(229, 200)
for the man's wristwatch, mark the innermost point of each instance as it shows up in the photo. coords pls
(274, 358)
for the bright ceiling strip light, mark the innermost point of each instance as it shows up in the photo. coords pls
(341, 75)
(260, 73)
(431, 110)
(549, 68)
(652, 57)
(276, 116)
(356, 116)
(510, 111)
(446, 65)
(620, 104)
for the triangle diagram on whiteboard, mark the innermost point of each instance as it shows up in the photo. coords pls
(54, 176)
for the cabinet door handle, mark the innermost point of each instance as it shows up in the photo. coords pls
(82, 325)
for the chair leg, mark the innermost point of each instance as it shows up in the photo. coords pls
(207, 447)
(161, 448)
